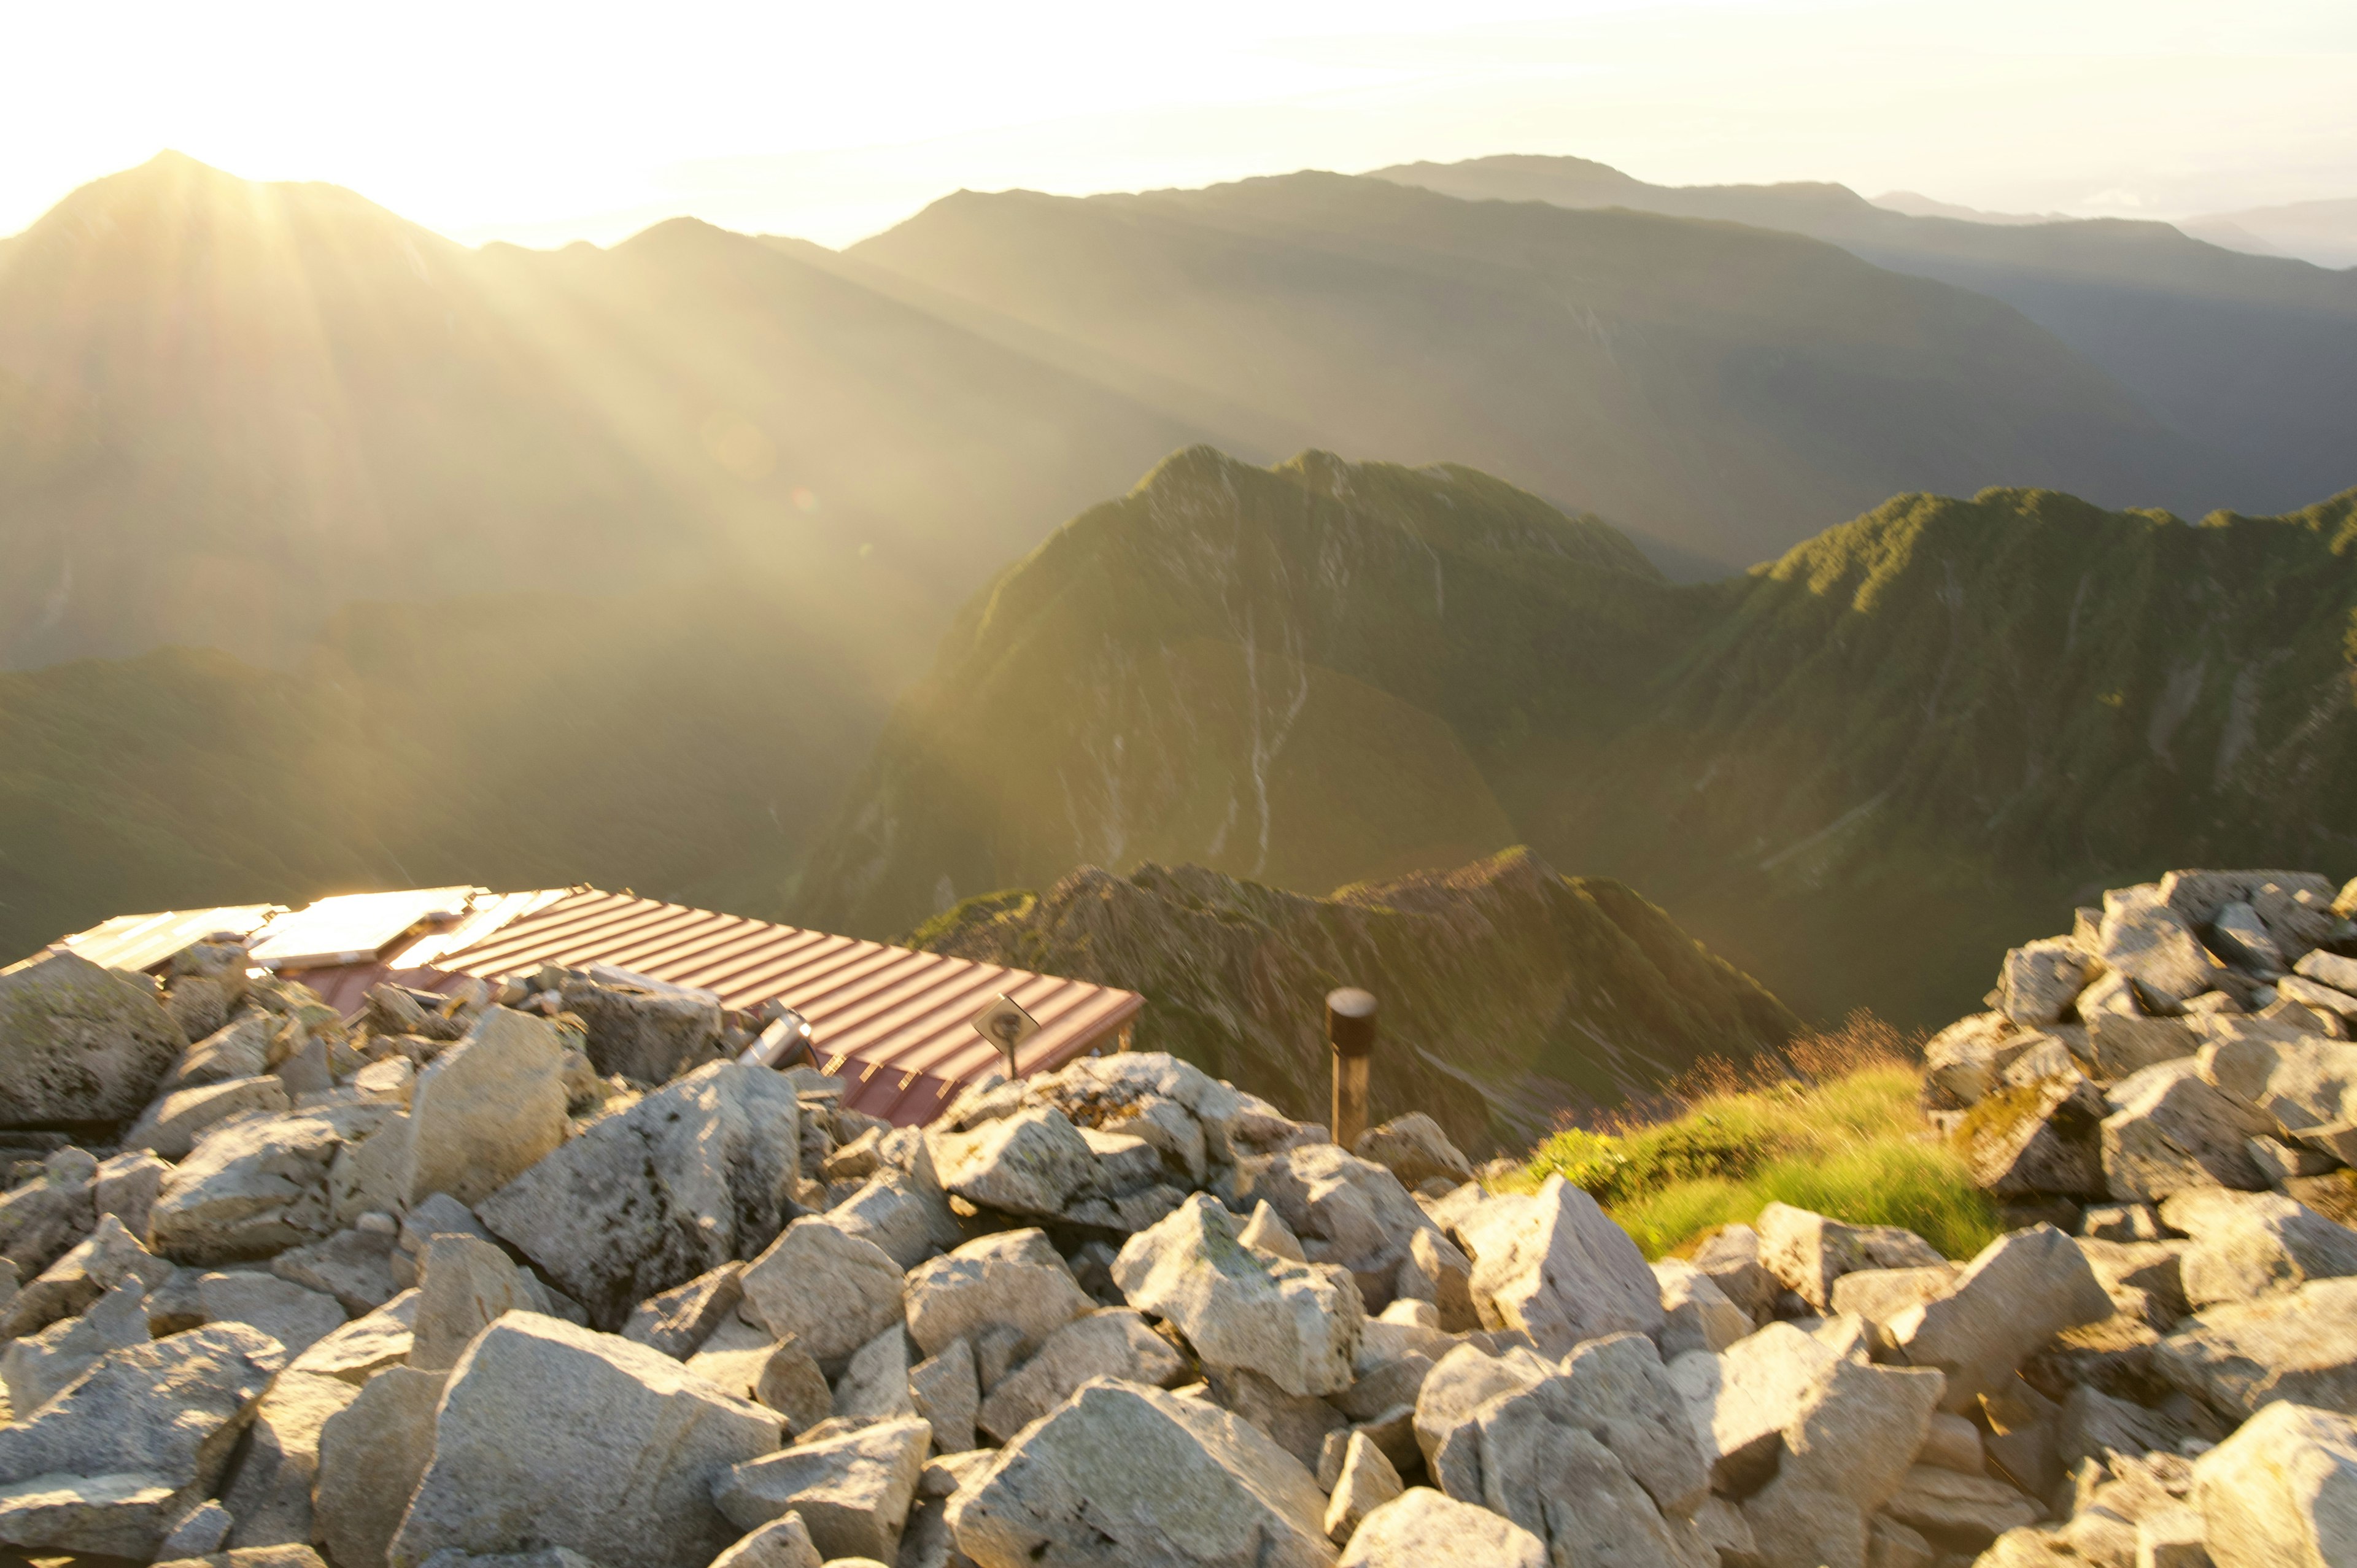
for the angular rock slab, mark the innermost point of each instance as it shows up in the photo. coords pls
(1113, 1342)
(1808, 1252)
(372, 1454)
(2251, 1244)
(550, 1434)
(488, 1109)
(1127, 1475)
(1423, 1528)
(952, 1298)
(2169, 1129)
(852, 1490)
(690, 1177)
(270, 1495)
(2300, 1345)
(830, 1290)
(2023, 1289)
(253, 1189)
(79, 1043)
(1558, 1270)
(1034, 1162)
(110, 1465)
(2282, 1491)
(1299, 1324)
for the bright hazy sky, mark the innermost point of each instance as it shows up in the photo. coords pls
(543, 123)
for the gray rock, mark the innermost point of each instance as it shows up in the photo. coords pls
(2303, 1084)
(1414, 1149)
(2169, 1129)
(2250, 1244)
(683, 1317)
(2123, 1044)
(439, 1215)
(171, 1126)
(371, 1454)
(201, 1531)
(38, 1367)
(110, 1465)
(1807, 1251)
(366, 1345)
(2121, 1222)
(1113, 1342)
(126, 1186)
(1957, 1513)
(783, 1542)
(649, 1036)
(948, 1394)
(2042, 1138)
(2096, 1426)
(1123, 1474)
(488, 1109)
(1467, 1378)
(465, 1287)
(2242, 938)
(1298, 1424)
(2282, 1491)
(1730, 1257)
(2023, 1289)
(2040, 980)
(690, 1177)
(1953, 1443)
(253, 1189)
(550, 1434)
(1793, 1523)
(1366, 1483)
(2328, 969)
(2154, 945)
(1559, 1270)
(904, 1214)
(1034, 1162)
(831, 1291)
(43, 1217)
(354, 1266)
(1437, 1271)
(2300, 1345)
(2280, 1162)
(1347, 1211)
(1560, 1484)
(1878, 1295)
(79, 1043)
(1423, 1528)
(1265, 1231)
(2144, 1278)
(109, 1255)
(295, 1318)
(238, 1048)
(1857, 1428)
(270, 1493)
(954, 1297)
(875, 1386)
(1961, 1063)
(1297, 1324)
(853, 1491)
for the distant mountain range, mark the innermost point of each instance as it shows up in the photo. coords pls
(228, 410)
(2251, 358)
(1856, 773)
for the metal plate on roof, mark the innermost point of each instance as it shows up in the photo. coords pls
(142, 941)
(355, 928)
(893, 1020)
(1005, 1026)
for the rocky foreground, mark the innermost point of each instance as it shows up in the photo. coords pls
(529, 1275)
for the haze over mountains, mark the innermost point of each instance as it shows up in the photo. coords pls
(2252, 359)
(408, 564)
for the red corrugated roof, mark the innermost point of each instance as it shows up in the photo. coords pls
(891, 1020)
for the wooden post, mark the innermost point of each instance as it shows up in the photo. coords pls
(1350, 1030)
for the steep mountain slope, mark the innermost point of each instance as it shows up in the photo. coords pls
(1508, 992)
(1285, 674)
(1923, 725)
(228, 408)
(685, 742)
(1719, 389)
(1853, 772)
(2254, 358)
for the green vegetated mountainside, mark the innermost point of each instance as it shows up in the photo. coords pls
(683, 741)
(1509, 992)
(226, 409)
(1718, 389)
(2254, 357)
(1859, 773)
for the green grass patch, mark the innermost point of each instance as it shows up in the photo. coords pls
(1831, 1124)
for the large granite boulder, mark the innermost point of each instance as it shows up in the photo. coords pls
(1555, 1267)
(648, 1035)
(1121, 1473)
(371, 1454)
(110, 1465)
(1424, 1529)
(1297, 1324)
(256, 1188)
(2247, 1244)
(2299, 1346)
(488, 1109)
(2170, 1129)
(1344, 1210)
(690, 1177)
(81, 1044)
(2024, 1288)
(852, 1490)
(2282, 1491)
(549, 1435)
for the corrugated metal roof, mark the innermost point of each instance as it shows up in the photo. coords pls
(891, 1020)
(142, 941)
